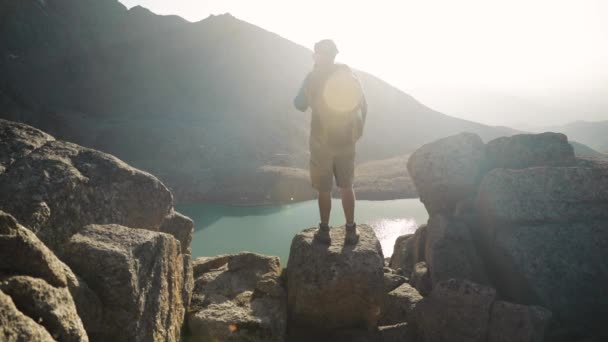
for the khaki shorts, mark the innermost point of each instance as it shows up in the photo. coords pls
(326, 164)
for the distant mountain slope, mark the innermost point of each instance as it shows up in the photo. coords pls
(584, 151)
(197, 104)
(593, 134)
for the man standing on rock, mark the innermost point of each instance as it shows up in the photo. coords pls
(339, 109)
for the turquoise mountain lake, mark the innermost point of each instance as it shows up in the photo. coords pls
(268, 229)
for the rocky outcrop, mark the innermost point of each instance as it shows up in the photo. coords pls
(138, 276)
(52, 307)
(337, 286)
(36, 286)
(62, 187)
(238, 298)
(18, 140)
(16, 327)
(127, 280)
(531, 225)
(529, 150)
(34, 258)
(450, 253)
(460, 310)
(456, 310)
(447, 170)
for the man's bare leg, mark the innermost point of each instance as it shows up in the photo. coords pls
(322, 234)
(348, 204)
(324, 206)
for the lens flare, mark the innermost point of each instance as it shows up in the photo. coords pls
(342, 92)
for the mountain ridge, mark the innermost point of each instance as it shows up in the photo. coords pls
(198, 104)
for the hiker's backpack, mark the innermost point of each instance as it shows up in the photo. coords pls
(336, 96)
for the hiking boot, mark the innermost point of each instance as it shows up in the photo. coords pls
(352, 235)
(322, 234)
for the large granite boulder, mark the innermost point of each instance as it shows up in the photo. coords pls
(543, 195)
(337, 286)
(544, 235)
(237, 298)
(528, 150)
(447, 170)
(450, 251)
(138, 276)
(460, 310)
(55, 187)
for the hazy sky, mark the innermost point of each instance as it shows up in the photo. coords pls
(538, 50)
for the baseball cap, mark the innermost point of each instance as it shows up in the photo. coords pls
(326, 47)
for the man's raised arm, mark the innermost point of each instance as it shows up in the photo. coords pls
(301, 100)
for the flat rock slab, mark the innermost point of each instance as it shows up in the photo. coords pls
(336, 286)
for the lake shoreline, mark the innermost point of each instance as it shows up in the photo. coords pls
(254, 203)
(269, 229)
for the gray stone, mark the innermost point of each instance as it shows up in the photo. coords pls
(17, 140)
(447, 170)
(513, 322)
(52, 307)
(87, 302)
(399, 305)
(529, 150)
(544, 236)
(202, 265)
(409, 251)
(450, 252)
(181, 227)
(456, 310)
(17, 327)
(21, 252)
(543, 195)
(238, 298)
(559, 266)
(138, 276)
(392, 281)
(421, 279)
(337, 286)
(402, 253)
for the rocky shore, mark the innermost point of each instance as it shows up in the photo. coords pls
(514, 250)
